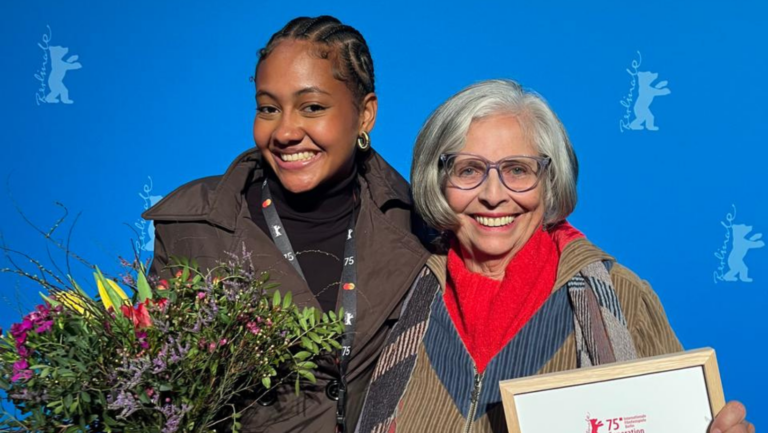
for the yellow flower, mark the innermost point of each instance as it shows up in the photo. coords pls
(104, 293)
(73, 301)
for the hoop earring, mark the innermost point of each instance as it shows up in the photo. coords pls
(364, 141)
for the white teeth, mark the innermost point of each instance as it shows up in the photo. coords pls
(301, 156)
(495, 222)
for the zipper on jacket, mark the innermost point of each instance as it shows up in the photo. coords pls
(473, 401)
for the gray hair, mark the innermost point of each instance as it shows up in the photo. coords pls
(445, 132)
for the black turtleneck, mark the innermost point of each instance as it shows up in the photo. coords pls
(316, 223)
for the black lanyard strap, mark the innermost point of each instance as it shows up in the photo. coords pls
(347, 288)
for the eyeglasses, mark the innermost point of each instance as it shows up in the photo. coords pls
(517, 173)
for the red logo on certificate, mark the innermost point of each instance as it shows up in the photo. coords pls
(624, 424)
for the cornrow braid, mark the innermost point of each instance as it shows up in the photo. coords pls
(343, 45)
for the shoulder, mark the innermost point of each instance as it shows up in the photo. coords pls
(385, 183)
(191, 200)
(213, 198)
(646, 318)
(635, 294)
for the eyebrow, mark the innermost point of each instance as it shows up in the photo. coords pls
(304, 91)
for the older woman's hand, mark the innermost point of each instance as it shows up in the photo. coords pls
(731, 419)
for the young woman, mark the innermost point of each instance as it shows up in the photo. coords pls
(316, 207)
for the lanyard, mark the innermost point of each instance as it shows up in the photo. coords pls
(347, 287)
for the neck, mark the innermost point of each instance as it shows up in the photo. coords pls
(329, 199)
(491, 266)
(488, 266)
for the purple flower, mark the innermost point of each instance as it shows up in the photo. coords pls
(128, 280)
(125, 403)
(173, 416)
(142, 337)
(24, 351)
(22, 375)
(21, 339)
(20, 371)
(45, 326)
(19, 329)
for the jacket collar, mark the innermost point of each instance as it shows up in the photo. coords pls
(219, 202)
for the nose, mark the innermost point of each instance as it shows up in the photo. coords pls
(289, 130)
(492, 191)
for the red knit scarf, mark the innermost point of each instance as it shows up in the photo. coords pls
(488, 313)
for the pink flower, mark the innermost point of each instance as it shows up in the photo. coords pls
(24, 351)
(45, 326)
(253, 327)
(200, 295)
(20, 371)
(22, 375)
(223, 342)
(21, 339)
(211, 347)
(142, 337)
(18, 329)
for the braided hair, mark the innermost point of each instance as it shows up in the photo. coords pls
(343, 45)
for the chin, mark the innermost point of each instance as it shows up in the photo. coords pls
(297, 186)
(494, 251)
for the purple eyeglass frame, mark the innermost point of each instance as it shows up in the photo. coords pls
(542, 161)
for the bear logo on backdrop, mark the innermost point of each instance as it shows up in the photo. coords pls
(146, 229)
(734, 249)
(637, 102)
(51, 74)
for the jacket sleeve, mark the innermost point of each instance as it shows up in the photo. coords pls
(646, 319)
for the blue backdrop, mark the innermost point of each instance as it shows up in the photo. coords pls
(107, 107)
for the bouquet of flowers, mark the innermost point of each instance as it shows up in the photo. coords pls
(176, 356)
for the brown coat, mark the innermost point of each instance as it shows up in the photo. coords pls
(207, 217)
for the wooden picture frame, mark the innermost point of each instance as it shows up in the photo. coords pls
(627, 397)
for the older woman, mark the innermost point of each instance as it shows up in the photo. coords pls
(520, 291)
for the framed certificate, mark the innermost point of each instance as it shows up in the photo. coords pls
(664, 394)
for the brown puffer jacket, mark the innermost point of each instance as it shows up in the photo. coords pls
(207, 217)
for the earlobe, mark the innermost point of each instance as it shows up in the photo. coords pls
(369, 108)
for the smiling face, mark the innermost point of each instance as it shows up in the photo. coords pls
(307, 121)
(494, 222)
